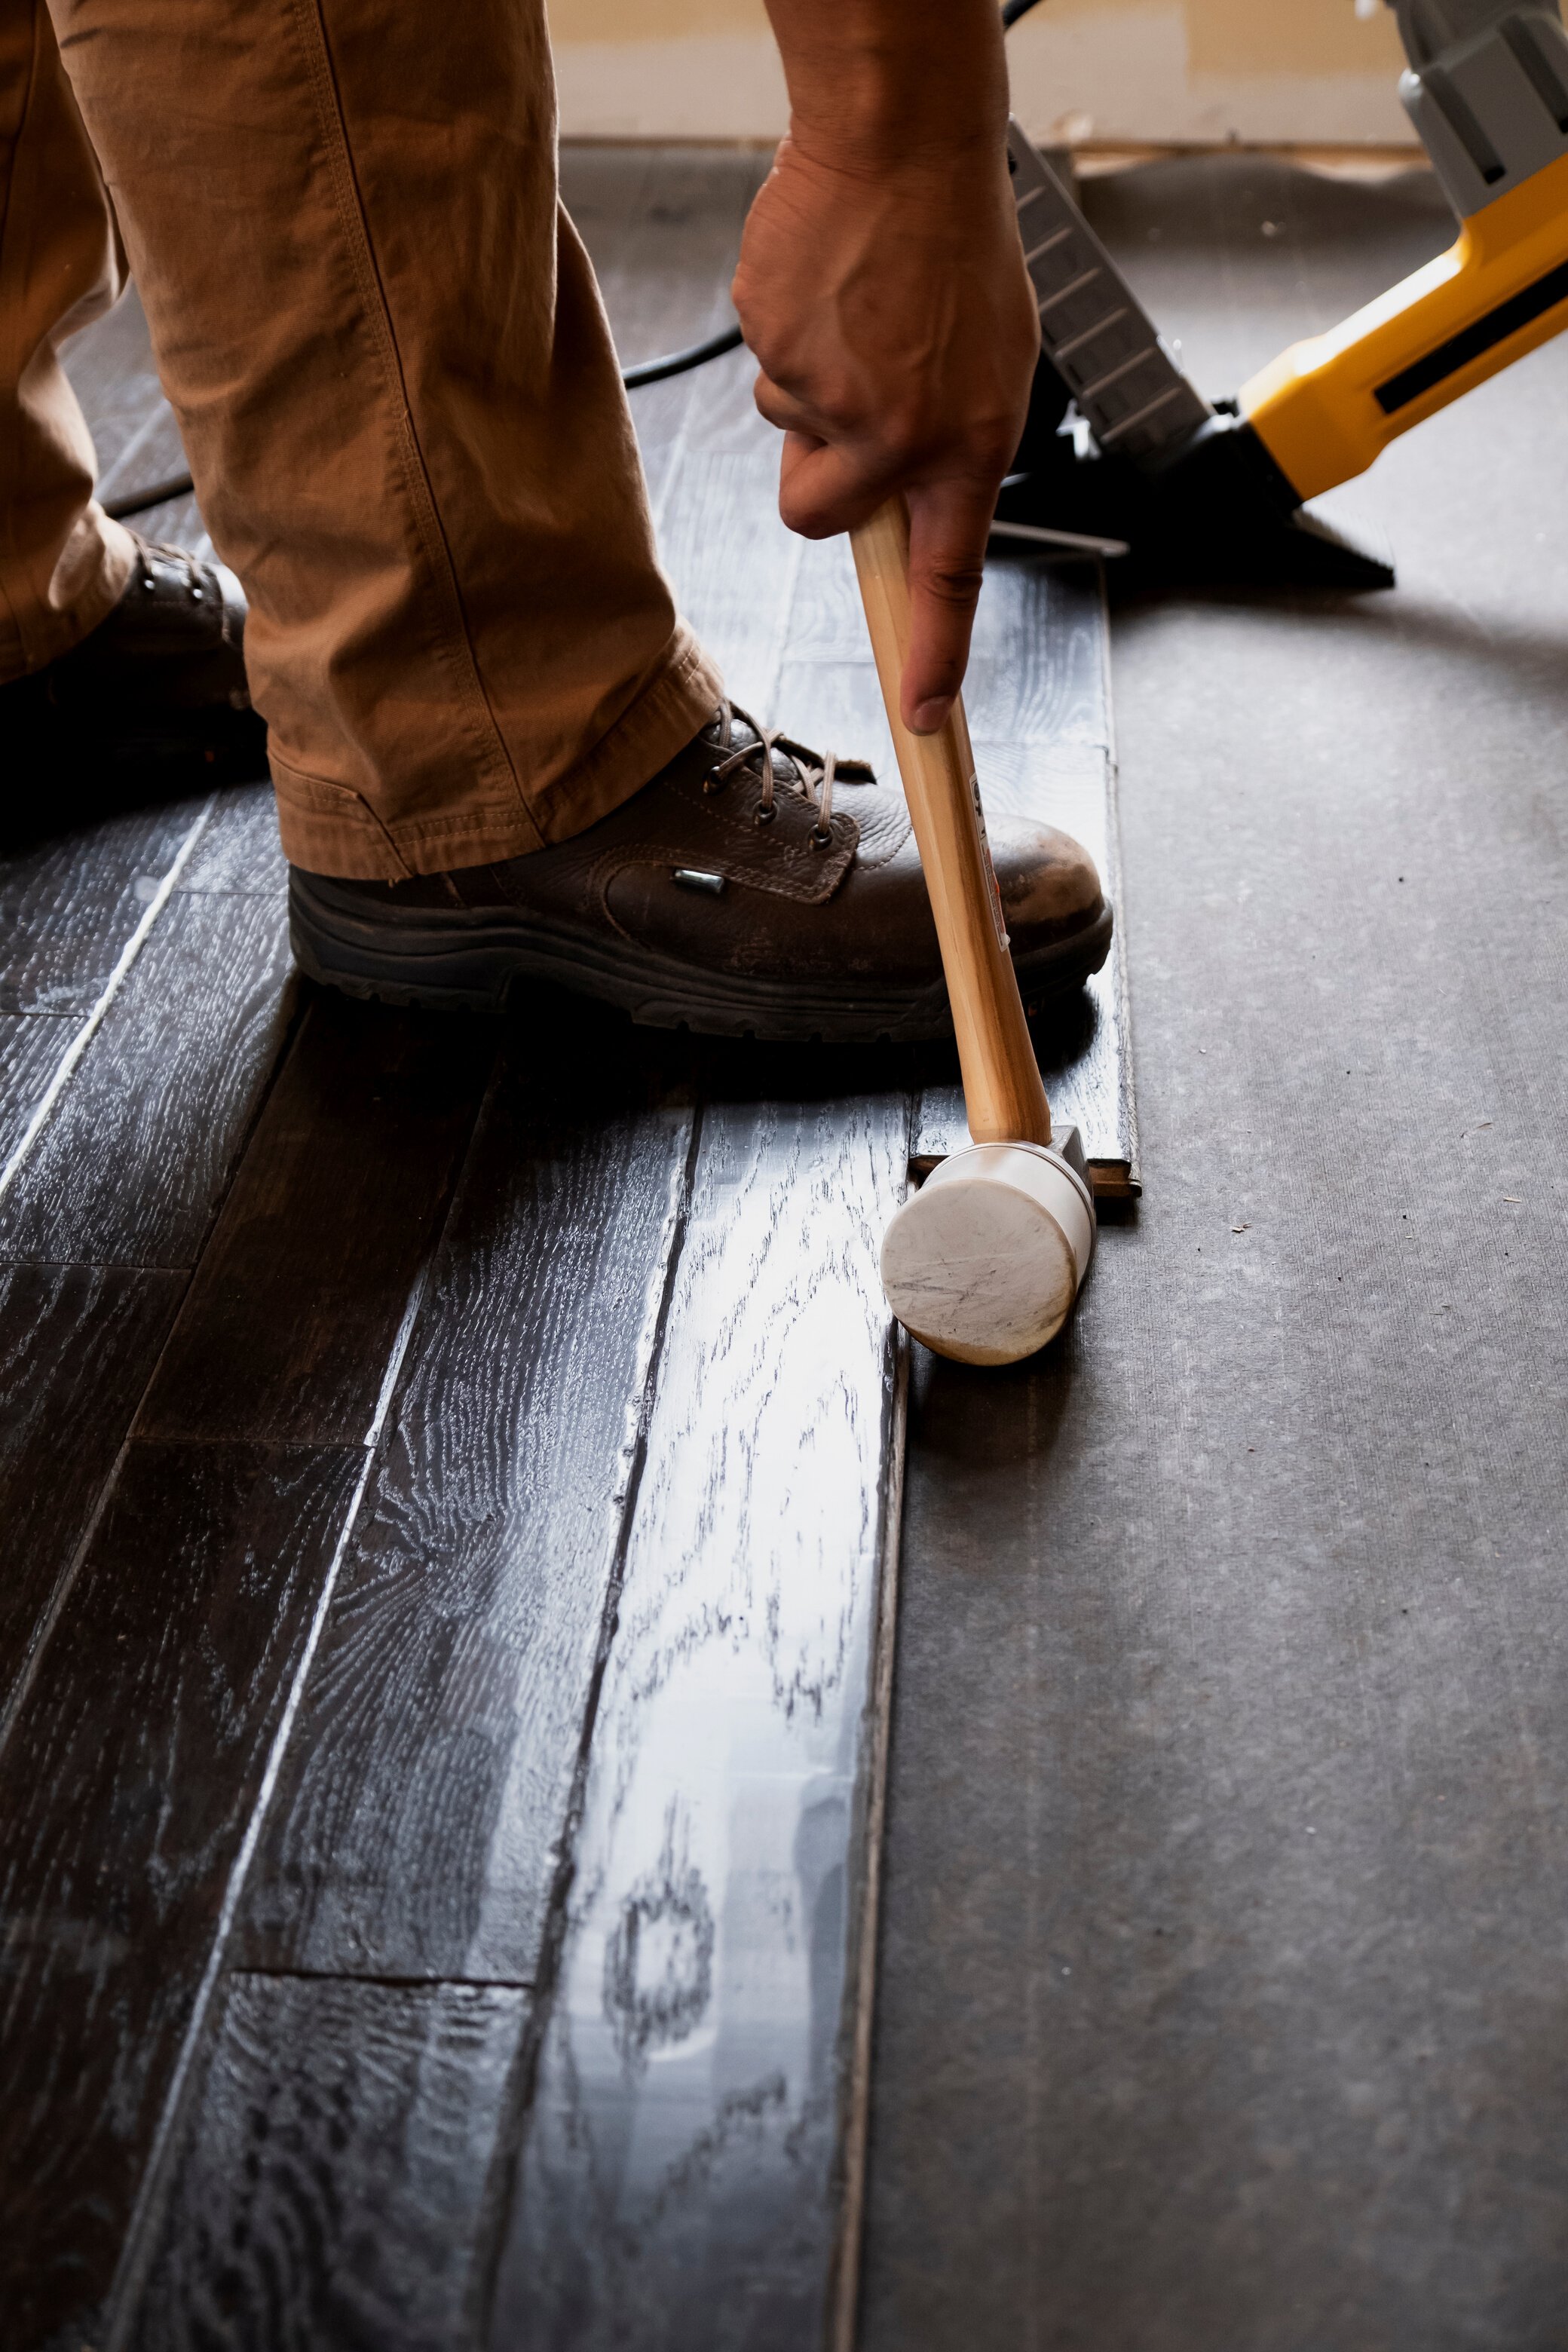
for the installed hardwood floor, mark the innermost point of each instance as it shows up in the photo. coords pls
(454, 1474)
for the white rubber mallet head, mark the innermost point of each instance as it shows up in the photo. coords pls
(984, 1262)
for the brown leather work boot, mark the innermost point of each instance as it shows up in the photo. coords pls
(159, 683)
(753, 887)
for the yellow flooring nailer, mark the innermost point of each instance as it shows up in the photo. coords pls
(1122, 448)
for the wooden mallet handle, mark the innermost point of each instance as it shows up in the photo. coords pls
(1002, 1090)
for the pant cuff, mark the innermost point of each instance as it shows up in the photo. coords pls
(328, 828)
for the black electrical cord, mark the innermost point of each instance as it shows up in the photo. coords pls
(138, 501)
(677, 362)
(695, 355)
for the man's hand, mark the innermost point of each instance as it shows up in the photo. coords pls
(881, 287)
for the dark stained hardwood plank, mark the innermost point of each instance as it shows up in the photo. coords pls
(71, 900)
(695, 2115)
(178, 523)
(76, 1347)
(419, 1814)
(137, 439)
(1039, 663)
(152, 453)
(663, 234)
(131, 1772)
(680, 2182)
(110, 364)
(31, 1049)
(138, 1153)
(239, 851)
(1037, 670)
(293, 1312)
(723, 500)
(331, 2191)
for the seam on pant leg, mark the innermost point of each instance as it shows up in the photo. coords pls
(338, 804)
(422, 497)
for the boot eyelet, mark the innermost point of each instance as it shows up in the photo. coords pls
(713, 782)
(820, 838)
(765, 816)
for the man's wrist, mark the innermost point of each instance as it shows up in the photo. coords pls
(877, 142)
(877, 83)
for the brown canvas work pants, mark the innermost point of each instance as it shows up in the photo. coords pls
(386, 353)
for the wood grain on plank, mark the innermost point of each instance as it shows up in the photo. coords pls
(667, 284)
(679, 2184)
(1037, 670)
(71, 893)
(292, 1315)
(137, 1156)
(178, 522)
(114, 376)
(76, 1346)
(31, 1048)
(332, 2190)
(111, 370)
(239, 851)
(726, 498)
(130, 1773)
(417, 1825)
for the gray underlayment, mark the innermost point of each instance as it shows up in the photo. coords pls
(1223, 1998)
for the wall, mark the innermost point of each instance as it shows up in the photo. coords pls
(1127, 71)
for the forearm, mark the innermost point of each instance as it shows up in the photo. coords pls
(879, 82)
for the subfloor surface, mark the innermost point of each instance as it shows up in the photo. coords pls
(1224, 1996)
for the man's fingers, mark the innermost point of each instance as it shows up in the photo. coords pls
(829, 486)
(948, 526)
(823, 488)
(779, 407)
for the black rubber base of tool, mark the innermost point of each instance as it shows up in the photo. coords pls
(1219, 513)
(471, 960)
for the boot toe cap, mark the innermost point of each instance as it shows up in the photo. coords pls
(1049, 881)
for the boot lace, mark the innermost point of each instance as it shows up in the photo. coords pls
(816, 772)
